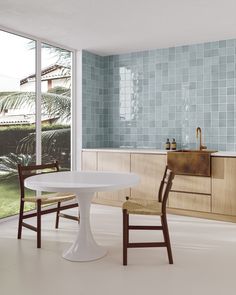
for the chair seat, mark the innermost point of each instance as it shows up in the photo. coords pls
(51, 198)
(140, 206)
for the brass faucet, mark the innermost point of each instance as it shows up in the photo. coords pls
(201, 146)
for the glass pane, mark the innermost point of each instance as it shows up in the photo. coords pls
(17, 116)
(56, 105)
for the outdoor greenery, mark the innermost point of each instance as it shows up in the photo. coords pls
(17, 143)
(14, 138)
(8, 164)
(56, 103)
(54, 141)
(21, 139)
(10, 196)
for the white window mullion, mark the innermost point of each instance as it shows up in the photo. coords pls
(75, 117)
(38, 104)
(76, 111)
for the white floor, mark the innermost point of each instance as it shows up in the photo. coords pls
(204, 259)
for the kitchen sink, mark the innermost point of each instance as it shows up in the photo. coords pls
(190, 162)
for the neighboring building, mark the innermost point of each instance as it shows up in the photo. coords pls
(51, 77)
(29, 119)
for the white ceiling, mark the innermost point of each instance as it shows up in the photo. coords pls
(118, 26)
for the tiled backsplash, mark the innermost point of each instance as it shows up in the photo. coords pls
(140, 99)
(94, 110)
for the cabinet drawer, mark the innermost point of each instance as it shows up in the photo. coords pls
(193, 184)
(188, 201)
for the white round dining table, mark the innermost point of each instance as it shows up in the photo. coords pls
(83, 184)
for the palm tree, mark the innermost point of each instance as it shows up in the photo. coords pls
(56, 103)
(51, 139)
(8, 163)
(62, 56)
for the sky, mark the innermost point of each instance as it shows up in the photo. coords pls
(17, 60)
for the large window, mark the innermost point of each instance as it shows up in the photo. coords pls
(29, 134)
(56, 104)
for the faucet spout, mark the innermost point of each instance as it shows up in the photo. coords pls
(199, 132)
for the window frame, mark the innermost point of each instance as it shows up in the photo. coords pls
(75, 109)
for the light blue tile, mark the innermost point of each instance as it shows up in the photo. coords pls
(156, 86)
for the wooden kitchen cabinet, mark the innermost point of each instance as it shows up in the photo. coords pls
(206, 197)
(189, 201)
(150, 168)
(224, 185)
(191, 193)
(117, 162)
(193, 184)
(89, 161)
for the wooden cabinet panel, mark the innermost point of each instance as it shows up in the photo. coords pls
(224, 185)
(89, 161)
(193, 184)
(188, 201)
(117, 162)
(150, 168)
(214, 196)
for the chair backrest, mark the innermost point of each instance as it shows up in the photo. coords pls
(27, 171)
(165, 187)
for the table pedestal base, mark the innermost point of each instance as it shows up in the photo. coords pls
(84, 247)
(93, 252)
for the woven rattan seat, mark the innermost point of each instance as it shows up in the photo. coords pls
(51, 198)
(141, 206)
(57, 199)
(148, 207)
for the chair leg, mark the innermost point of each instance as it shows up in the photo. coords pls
(125, 236)
(20, 219)
(57, 217)
(167, 237)
(39, 223)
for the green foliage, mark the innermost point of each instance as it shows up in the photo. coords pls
(51, 140)
(8, 163)
(30, 128)
(10, 197)
(62, 55)
(56, 103)
(12, 137)
(59, 90)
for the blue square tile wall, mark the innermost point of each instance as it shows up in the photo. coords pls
(140, 99)
(94, 108)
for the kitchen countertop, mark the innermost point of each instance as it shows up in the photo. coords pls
(153, 151)
(127, 150)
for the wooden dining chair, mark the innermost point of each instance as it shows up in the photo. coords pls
(148, 207)
(44, 199)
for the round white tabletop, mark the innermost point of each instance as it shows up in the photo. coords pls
(84, 184)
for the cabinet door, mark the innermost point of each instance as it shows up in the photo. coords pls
(89, 161)
(150, 168)
(117, 162)
(188, 201)
(192, 184)
(224, 185)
